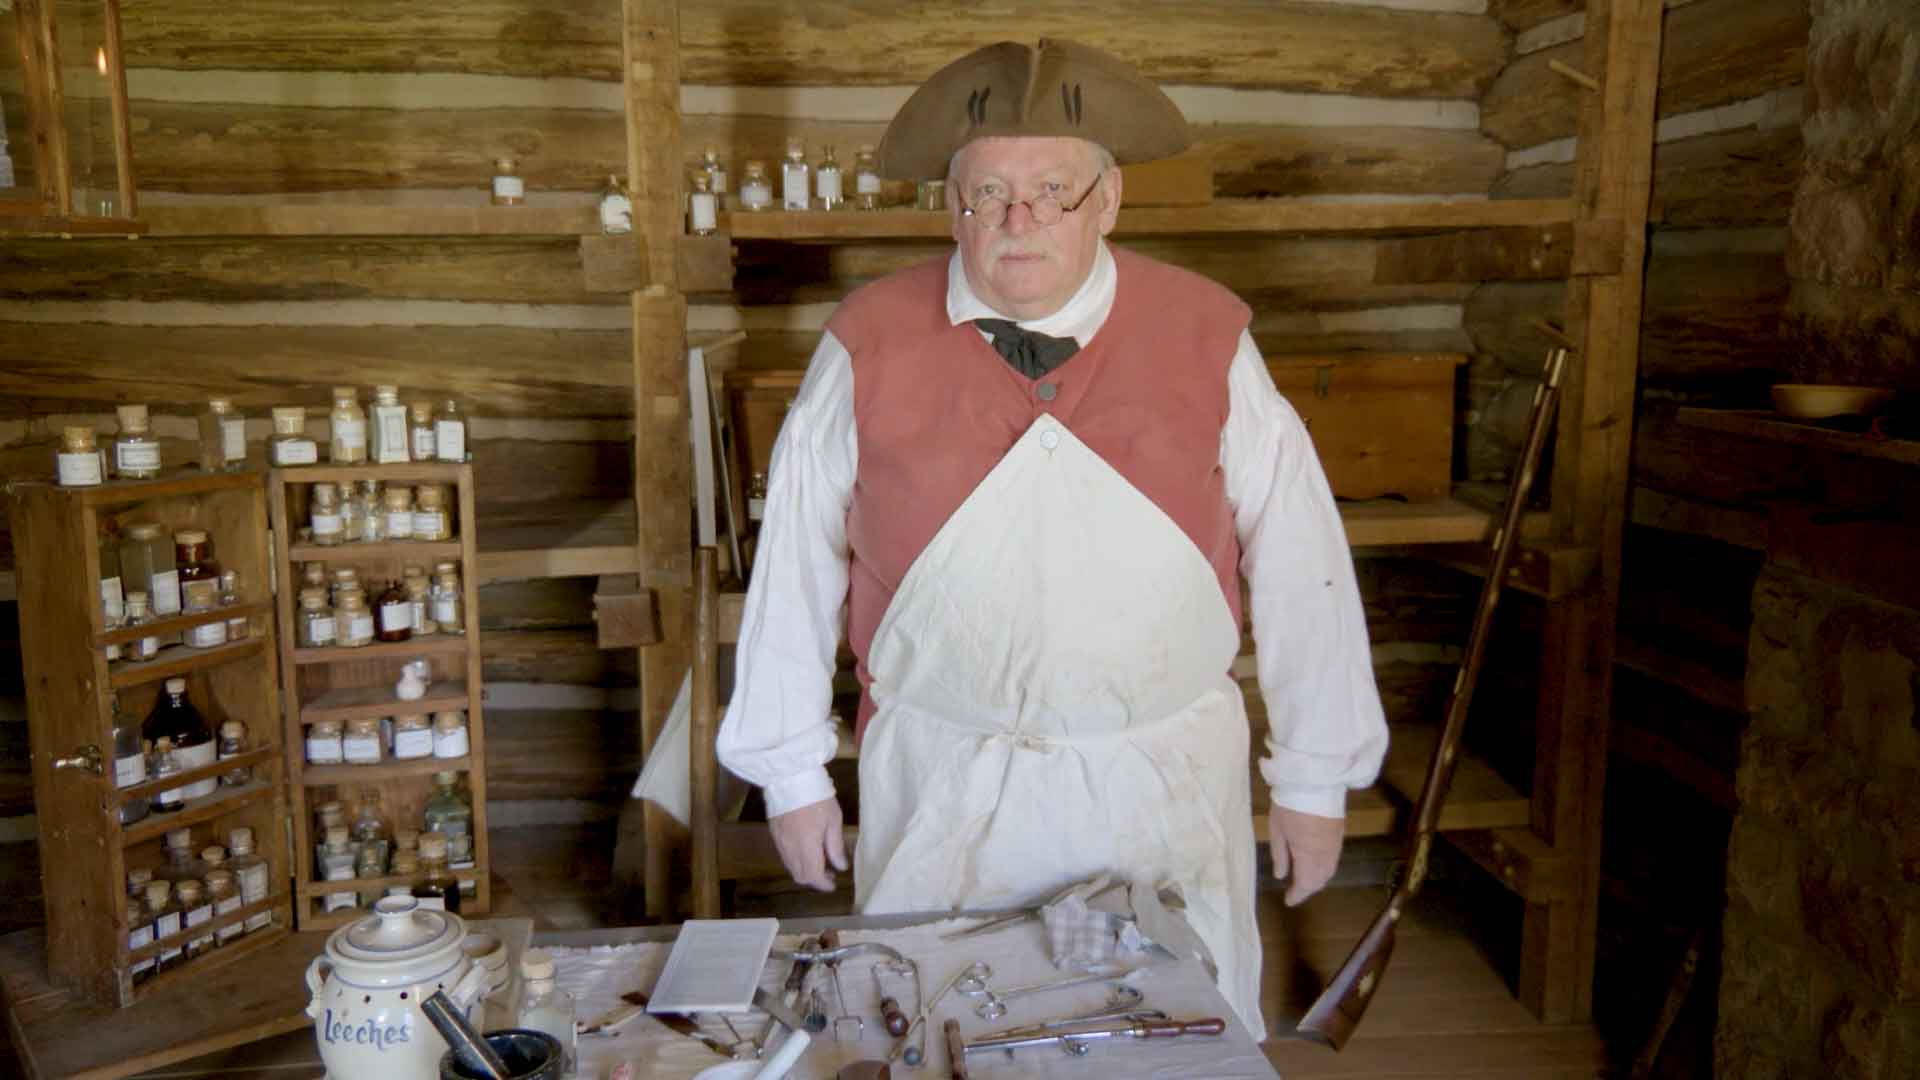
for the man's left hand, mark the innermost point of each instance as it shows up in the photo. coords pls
(1305, 846)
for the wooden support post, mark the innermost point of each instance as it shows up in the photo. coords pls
(122, 115)
(663, 457)
(1613, 178)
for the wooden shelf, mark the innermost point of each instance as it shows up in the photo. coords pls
(180, 660)
(574, 538)
(175, 625)
(17, 225)
(334, 775)
(432, 472)
(381, 650)
(1761, 424)
(389, 549)
(1219, 216)
(240, 915)
(149, 788)
(356, 702)
(311, 220)
(199, 811)
(171, 484)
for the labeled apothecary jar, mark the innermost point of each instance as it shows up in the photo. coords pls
(412, 738)
(325, 516)
(361, 744)
(317, 629)
(430, 513)
(450, 734)
(325, 743)
(354, 619)
(398, 503)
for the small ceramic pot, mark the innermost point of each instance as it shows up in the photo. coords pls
(368, 986)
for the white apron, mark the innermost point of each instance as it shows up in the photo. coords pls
(1053, 700)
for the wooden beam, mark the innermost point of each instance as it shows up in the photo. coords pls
(1744, 177)
(122, 116)
(1549, 571)
(1519, 253)
(623, 615)
(1519, 860)
(353, 220)
(1527, 14)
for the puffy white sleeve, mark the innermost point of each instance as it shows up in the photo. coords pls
(1326, 731)
(776, 733)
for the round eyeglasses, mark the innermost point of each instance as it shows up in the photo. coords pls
(1047, 210)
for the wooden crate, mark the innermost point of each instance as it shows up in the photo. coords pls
(344, 683)
(1382, 422)
(85, 854)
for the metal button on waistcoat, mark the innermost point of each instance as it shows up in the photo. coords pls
(1049, 439)
(1047, 391)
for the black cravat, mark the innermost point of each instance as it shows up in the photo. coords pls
(1031, 354)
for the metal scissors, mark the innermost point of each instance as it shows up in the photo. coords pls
(994, 1005)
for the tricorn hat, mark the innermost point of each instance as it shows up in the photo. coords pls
(1057, 88)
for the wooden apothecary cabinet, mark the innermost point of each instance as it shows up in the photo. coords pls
(85, 853)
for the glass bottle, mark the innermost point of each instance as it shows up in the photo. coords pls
(348, 442)
(313, 575)
(361, 744)
(450, 734)
(866, 180)
(129, 762)
(199, 586)
(198, 911)
(316, 621)
(141, 648)
(136, 453)
(448, 814)
(449, 433)
(323, 514)
(826, 181)
(345, 579)
(290, 445)
(420, 430)
(330, 813)
(336, 864)
(326, 745)
(77, 464)
(174, 717)
(113, 596)
(756, 496)
(181, 863)
(252, 874)
(146, 565)
(756, 193)
(140, 929)
(373, 526)
(398, 503)
(238, 628)
(166, 924)
(389, 428)
(716, 171)
(439, 889)
(794, 189)
(412, 737)
(166, 764)
(508, 188)
(430, 513)
(225, 894)
(354, 622)
(233, 743)
(616, 209)
(223, 438)
(545, 1007)
(448, 602)
(703, 210)
(396, 614)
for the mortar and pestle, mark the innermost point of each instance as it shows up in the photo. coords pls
(514, 1054)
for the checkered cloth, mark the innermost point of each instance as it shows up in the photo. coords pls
(1100, 921)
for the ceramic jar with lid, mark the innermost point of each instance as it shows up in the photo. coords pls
(367, 988)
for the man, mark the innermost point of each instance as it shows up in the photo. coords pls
(1035, 473)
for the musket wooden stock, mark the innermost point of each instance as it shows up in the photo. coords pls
(1340, 1006)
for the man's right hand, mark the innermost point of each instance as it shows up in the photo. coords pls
(809, 839)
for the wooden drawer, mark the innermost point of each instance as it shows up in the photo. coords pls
(1382, 422)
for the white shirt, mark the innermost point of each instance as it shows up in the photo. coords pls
(1326, 732)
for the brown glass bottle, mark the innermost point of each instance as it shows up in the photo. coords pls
(440, 889)
(394, 617)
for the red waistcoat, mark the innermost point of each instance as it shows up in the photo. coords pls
(936, 408)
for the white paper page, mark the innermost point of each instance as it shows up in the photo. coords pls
(715, 966)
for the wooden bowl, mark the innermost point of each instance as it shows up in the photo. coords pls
(1815, 401)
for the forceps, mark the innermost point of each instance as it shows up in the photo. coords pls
(994, 1005)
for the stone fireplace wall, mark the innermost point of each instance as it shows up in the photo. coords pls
(1821, 966)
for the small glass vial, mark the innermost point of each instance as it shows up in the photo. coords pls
(143, 648)
(224, 891)
(197, 572)
(291, 446)
(181, 863)
(703, 210)
(348, 444)
(373, 526)
(166, 764)
(756, 496)
(716, 171)
(166, 923)
(420, 430)
(361, 744)
(439, 890)
(412, 738)
(826, 181)
(450, 734)
(330, 813)
(317, 626)
(223, 438)
(140, 927)
(354, 621)
(325, 743)
(756, 193)
(406, 842)
(395, 614)
(545, 1007)
(866, 180)
(399, 512)
(508, 188)
(389, 428)
(367, 824)
(324, 516)
(448, 603)
(238, 627)
(345, 580)
(233, 743)
(129, 762)
(252, 873)
(313, 575)
(78, 462)
(449, 814)
(930, 195)
(430, 513)
(616, 209)
(795, 193)
(449, 433)
(420, 599)
(136, 453)
(336, 864)
(198, 911)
